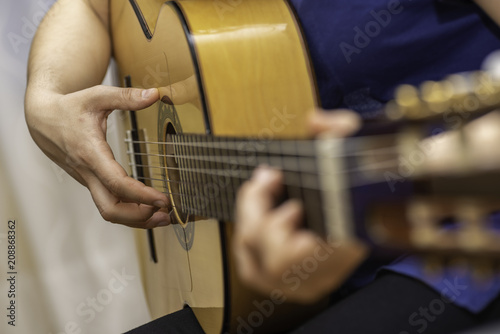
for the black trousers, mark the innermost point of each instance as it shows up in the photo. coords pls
(392, 304)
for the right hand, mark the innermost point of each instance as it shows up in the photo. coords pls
(71, 130)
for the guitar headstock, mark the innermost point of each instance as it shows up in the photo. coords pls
(472, 92)
(455, 172)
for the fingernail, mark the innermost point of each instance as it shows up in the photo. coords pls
(264, 174)
(165, 99)
(146, 94)
(163, 223)
(344, 119)
(160, 204)
(347, 119)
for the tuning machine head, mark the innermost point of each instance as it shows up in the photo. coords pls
(470, 92)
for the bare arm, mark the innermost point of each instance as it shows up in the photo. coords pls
(71, 49)
(491, 7)
(67, 113)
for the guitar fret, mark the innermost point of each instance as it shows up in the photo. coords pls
(235, 182)
(226, 208)
(222, 182)
(217, 182)
(313, 201)
(192, 176)
(207, 205)
(211, 185)
(206, 185)
(213, 168)
(198, 178)
(179, 164)
(185, 179)
(189, 164)
(301, 180)
(292, 190)
(275, 160)
(195, 175)
(337, 215)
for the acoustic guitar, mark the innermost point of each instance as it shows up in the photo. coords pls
(237, 85)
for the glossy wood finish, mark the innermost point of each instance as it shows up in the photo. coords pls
(254, 66)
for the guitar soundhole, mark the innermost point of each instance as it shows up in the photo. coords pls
(173, 176)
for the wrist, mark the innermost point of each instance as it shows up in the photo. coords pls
(39, 101)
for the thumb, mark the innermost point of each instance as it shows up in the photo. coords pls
(180, 92)
(111, 98)
(340, 122)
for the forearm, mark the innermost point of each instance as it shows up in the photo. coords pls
(71, 48)
(491, 7)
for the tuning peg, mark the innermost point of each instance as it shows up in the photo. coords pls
(471, 234)
(392, 111)
(460, 84)
(486, 88)
(423, 228)
(437, 95)
(408, 103)
(463, 93)
(462, 100)
(433, 266)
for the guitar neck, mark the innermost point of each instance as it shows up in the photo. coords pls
(361, 187)
(210, 170)
(204, 173)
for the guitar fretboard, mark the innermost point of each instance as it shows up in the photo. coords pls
(208, 171)
(202, 174)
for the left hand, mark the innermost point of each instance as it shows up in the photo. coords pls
(273, 252)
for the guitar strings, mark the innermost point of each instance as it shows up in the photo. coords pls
(302, 181)
(383, 150)
(310, 169)
(286, 159)
(226, 145)
(223, 208)
(301, 148)
(303, 166)
(305, 162)
(386, 164)
(195, 201)
(205, 205)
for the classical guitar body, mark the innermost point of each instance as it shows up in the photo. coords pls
(252, 77)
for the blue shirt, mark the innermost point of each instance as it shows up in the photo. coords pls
(363, 49)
